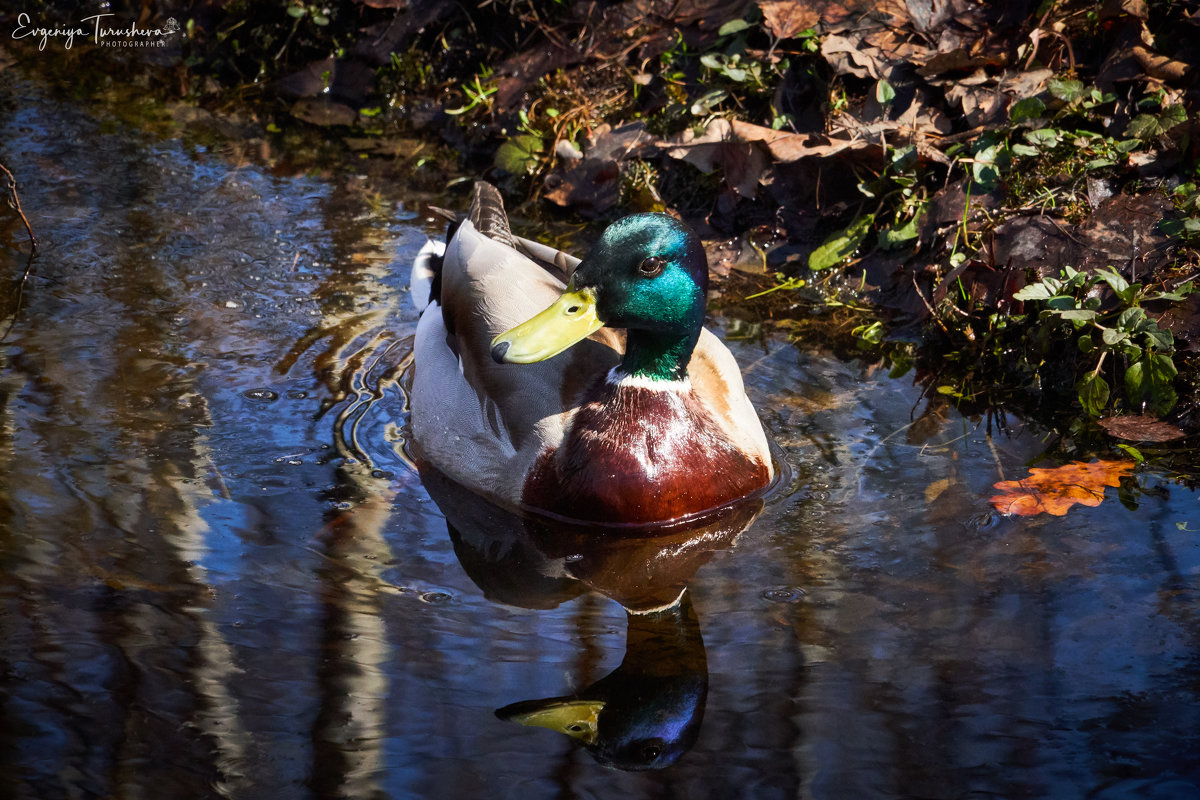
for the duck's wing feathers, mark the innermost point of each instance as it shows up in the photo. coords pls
(487, 423)
(488, 288)
(717, 382)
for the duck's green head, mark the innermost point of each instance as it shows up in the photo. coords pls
(647, 274)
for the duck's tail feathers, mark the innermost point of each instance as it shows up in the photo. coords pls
(426, 272)
(487, 214)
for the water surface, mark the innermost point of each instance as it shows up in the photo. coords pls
(219, 577)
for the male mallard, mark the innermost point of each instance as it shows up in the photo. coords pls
(636, 429)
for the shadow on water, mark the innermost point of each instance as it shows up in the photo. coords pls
(219, 577)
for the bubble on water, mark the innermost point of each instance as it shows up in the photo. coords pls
(784, 594)
(261, 395)
(385, 474)
(435, 597)
(296, 394)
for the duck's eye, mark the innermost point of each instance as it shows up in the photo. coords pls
(651, 751)
(652, 266)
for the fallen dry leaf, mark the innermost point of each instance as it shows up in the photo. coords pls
(1140, 428)
(786, 147)
(1053, 491)
(785, 19)
(741, 162)
(592, 186)
(934, 490)
(847, 56)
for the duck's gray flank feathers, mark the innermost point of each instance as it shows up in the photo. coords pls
(487, 214)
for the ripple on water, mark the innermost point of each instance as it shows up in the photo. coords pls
(784, 594)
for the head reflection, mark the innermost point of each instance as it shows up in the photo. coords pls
(646, 713)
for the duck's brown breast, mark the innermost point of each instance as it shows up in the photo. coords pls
(641, 455)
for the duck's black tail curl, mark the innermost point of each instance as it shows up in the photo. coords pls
(487, 214)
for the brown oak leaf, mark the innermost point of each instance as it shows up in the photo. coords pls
(1055, 490)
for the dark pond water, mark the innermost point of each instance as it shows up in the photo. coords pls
(220, 577)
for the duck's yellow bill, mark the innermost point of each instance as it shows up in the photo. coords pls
(572, 318)
(576, 718)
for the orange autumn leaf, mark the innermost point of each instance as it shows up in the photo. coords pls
(1054, 491)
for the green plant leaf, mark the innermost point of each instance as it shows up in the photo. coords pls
(1134, 378)
(1113, 336)
(1148, 126)
(1034, 291)
(1173, 115)
(1130, 317)
(1093, 394)
(735, 74)
(872, 333)
(1144, 126)
(1046, 138)
(1116, 282)
(1148, 383)
(1029, 108)
(1163, 366)
(1180, 293)
(1086, 345)
(896, 237)
(520, 154)
(1180, 228)
(904, 157)
(1159, 339)
(708, 101)
(989, 163)
(884, 92)
(1077, 314)
(1065, 89)
(841, 245)
(1132, 451)
(732, 27)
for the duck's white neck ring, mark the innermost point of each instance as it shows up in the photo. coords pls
(618, 377)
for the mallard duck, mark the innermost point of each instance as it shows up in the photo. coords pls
(525, 390)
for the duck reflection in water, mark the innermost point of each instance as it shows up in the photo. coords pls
(646, 713)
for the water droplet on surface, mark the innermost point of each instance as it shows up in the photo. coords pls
(784, 594)
(262, 395)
